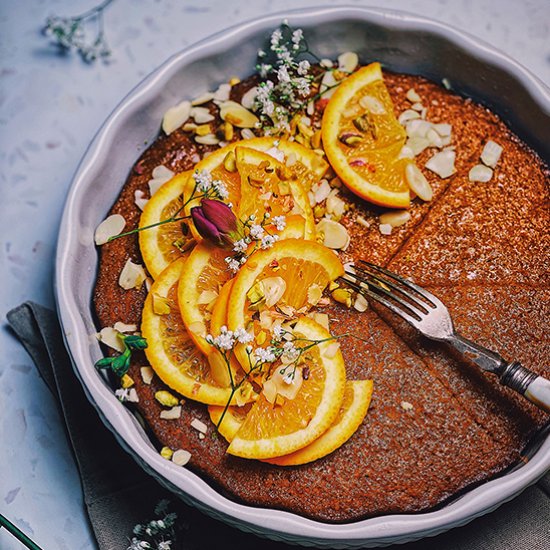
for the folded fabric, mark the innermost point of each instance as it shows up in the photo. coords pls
(118, 494)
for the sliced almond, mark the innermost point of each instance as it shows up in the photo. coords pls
(147, 374)
(201, 115)
(407, 115)
(237, 115)
(321, 318)
(480, 173)
(199, 425)
(335, 235)
(276, 153)
(132, 275)
(442, 164)
(181, 457)
(176, 116)
(314, 294)
(162, 172)
(109, 227)
(246, 133)
(395, 218)
(417, 144)
(335, 205)
(360, 303)
(111, 337)
(222, 93)
(139, 199)
(124, 328)
(443, 129)
(385, 228)
(406, 152)
(418, 128)
(273, 289)
(171, 414)
(491, 153)
(208, 139)
(219, 369)
(348, 61)
(372, 104)
(204, 98)
(249, 98)
(161, 306)
(207, 296)
(413, 96)
(418, 183)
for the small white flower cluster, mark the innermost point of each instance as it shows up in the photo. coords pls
(158, 532)
(227, 339)
(256, 232)
(276, 102)
(290, 351)
(206, 185)
(265, 355)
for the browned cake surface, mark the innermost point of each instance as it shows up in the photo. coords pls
(482, 248)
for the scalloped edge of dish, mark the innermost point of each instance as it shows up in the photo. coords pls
(274, 524)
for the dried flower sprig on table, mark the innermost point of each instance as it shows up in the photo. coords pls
(158, 534)
(69, 33)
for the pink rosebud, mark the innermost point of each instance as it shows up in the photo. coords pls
(215, 221)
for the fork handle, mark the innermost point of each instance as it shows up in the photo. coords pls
(534, 387)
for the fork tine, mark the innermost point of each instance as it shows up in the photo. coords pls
(390, 305)
(421, 304)
(417, 313)
(405, 282)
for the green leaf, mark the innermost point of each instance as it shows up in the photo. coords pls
(133, 341)
(121, 364)
(104, 363)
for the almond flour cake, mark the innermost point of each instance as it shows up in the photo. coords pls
(473, 228)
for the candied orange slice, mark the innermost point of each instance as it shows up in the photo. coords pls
(202, 278)
(267, 187)
(171, 352)
(355, 405)
(272, 430)
(296, 266)
(164, 243)
(362, 139)
(228, 420)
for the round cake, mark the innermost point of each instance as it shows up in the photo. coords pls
(437, 425)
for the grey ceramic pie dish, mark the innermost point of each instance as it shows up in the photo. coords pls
(404, 43)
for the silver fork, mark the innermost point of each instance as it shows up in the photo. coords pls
(428, 314)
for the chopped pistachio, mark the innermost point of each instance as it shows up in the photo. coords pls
(166, 398)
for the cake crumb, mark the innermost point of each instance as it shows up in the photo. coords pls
(406, 406)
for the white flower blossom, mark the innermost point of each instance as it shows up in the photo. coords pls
(268, 241)
(297, 36)
(278, 332)
(276, 37)
(261, 53)
(256, 231)
(243, 336)
(203, 180)
(290, 351)
(280, 222)
(282, 74)
(264, 355)
(303, 67)
(220, 189)
(240, 245)
(225, 340)
(165, 545)
(232, 264)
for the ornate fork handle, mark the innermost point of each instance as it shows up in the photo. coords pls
(526, 382)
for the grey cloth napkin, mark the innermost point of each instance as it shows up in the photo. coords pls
(118, 494)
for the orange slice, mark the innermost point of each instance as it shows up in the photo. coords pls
(272, 430)
(362, 139)
(355, 405)
(202, 278)
(302, 165)
(171, 352)
(267, 188)
(229, 422)
(163, 244)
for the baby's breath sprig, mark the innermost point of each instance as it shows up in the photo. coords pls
(285, 347)
(69, 33)
(287, 78)
(257, 234)
(204, 188)
(158, 534)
